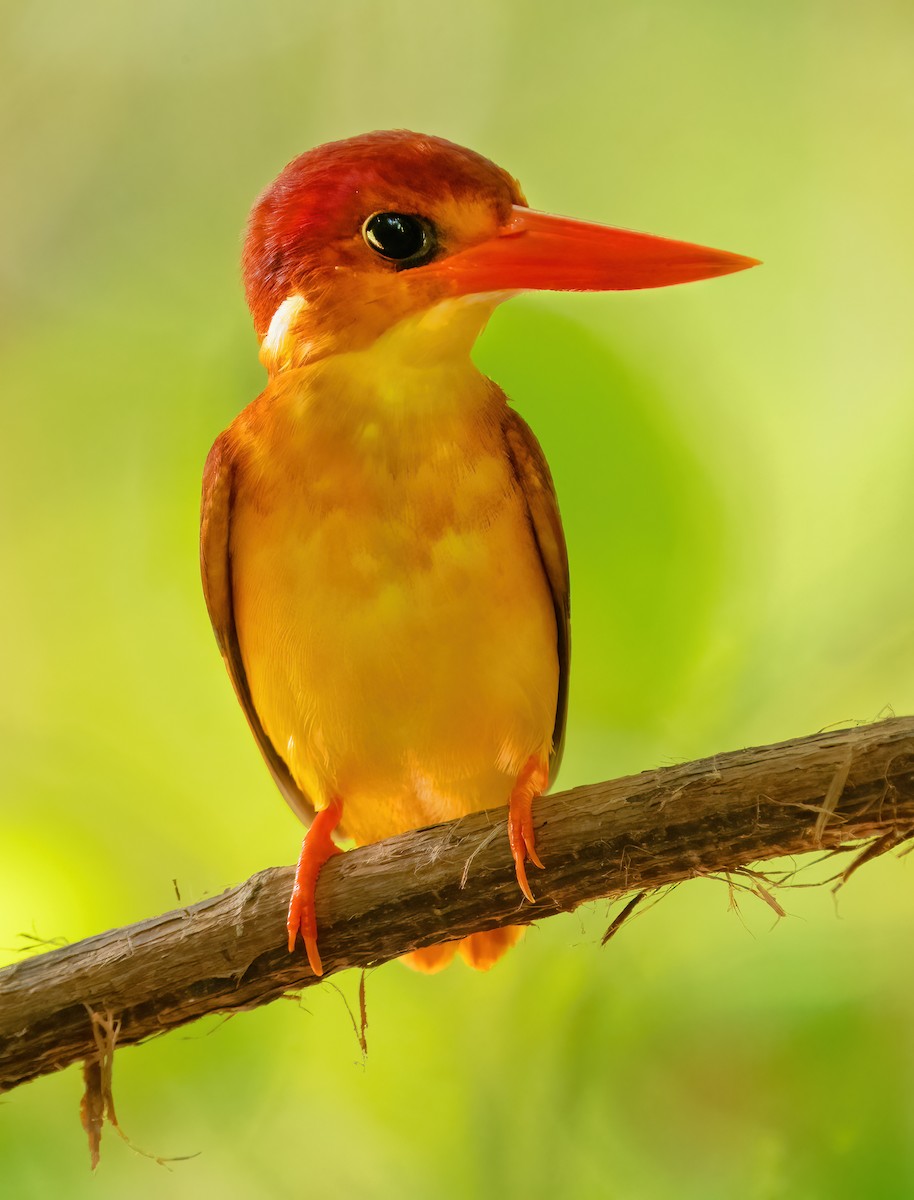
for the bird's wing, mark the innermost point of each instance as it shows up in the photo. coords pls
(535, 481)
(216, 568)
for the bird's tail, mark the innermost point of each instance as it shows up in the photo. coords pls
(479, 950)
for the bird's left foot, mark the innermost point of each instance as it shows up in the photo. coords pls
(531, 783)
(317, 847)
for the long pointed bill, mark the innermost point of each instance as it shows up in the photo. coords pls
(536, 251)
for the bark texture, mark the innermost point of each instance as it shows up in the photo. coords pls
(431, 885)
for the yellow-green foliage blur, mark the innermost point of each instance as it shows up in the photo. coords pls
(734, 465)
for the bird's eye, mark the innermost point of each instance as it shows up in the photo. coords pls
(400, 237)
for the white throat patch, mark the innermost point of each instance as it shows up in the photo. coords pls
(276, 345)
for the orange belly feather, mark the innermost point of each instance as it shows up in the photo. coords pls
(394, 620)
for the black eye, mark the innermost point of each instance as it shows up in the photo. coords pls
(399, 237)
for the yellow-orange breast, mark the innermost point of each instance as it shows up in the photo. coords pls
(396, 627)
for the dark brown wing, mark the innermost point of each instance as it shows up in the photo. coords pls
(216, 568)
(535, 481)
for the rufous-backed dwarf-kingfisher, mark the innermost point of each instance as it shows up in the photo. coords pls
(382, 555)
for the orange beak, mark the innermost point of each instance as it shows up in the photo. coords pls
(536, 251)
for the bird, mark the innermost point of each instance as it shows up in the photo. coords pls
(382, 554)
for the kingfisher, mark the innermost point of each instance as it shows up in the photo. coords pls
(382, 554)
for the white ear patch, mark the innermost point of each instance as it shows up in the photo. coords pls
(275, 346)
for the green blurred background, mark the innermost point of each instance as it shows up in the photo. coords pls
(734, 465)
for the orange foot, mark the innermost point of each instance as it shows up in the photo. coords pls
(317, 847)
(531, 783)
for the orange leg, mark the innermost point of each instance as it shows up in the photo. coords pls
(317, 847)
(531, 783)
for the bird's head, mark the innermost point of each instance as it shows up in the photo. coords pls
(357, 236)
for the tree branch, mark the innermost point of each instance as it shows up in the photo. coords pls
(431, 885)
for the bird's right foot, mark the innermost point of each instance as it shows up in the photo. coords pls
(316, 849)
